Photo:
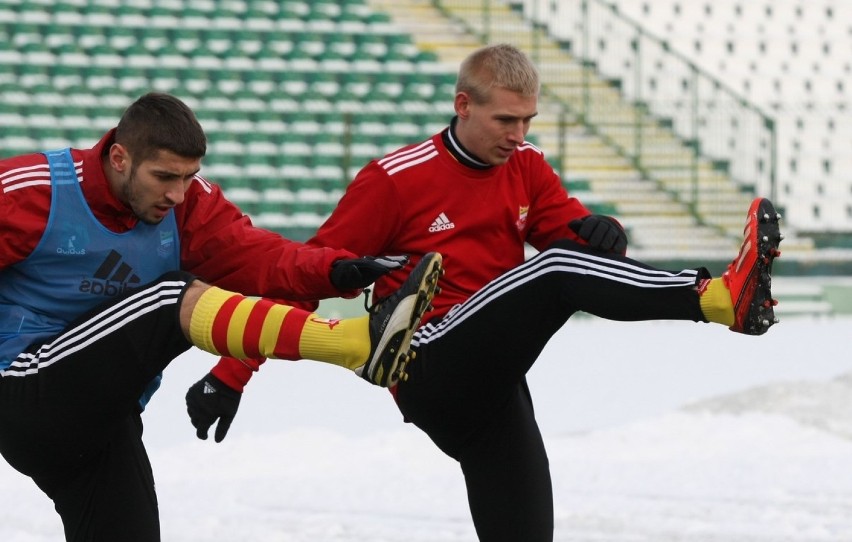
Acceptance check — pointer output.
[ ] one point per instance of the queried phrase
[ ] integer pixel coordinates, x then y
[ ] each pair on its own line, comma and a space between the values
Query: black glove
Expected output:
600, 232
209, 400
359, 273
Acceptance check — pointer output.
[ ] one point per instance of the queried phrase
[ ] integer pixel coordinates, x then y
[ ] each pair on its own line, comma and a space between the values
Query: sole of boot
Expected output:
761, 312
408, 313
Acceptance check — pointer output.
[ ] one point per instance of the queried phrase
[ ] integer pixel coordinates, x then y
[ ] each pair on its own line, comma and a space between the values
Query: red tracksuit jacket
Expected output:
420, 199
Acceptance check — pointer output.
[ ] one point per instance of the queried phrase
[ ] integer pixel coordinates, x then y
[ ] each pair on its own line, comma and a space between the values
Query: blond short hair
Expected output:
503, 66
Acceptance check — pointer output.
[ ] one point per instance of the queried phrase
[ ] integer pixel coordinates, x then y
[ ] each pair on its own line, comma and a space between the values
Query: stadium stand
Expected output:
589, 129
278, 86
790, 59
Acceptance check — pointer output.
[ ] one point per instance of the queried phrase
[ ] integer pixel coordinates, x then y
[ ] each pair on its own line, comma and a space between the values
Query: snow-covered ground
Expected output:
658, 432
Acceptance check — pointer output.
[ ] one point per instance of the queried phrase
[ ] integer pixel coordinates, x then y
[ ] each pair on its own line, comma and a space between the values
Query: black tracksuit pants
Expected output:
69, 412
467, 387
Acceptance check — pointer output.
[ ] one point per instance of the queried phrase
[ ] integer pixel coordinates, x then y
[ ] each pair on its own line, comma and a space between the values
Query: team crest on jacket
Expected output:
522, 217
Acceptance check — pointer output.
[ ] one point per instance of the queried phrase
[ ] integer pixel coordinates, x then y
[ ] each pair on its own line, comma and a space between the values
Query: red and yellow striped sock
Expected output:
230, 324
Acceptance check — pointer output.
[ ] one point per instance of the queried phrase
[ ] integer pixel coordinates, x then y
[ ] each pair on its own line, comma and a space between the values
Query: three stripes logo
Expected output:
441, 223
111, 278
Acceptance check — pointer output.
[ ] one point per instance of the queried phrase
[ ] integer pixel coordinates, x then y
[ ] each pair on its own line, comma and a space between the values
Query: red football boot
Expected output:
748, 277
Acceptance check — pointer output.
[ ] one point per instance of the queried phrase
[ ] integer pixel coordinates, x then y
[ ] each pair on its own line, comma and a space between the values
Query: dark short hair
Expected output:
156, 122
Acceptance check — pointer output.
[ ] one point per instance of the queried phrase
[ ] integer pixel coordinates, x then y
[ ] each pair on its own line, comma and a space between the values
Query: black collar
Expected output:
465, 157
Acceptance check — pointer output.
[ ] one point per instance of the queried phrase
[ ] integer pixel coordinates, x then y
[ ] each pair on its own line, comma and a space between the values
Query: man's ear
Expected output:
118, 158
462, 105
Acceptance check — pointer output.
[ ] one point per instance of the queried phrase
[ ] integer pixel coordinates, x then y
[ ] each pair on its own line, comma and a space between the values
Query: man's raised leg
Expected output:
377, 346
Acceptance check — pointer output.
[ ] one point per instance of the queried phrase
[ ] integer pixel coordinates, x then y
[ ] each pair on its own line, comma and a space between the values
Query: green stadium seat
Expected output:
162, 16
354, 8
324, 84
193, 85
293, 10
82, 136
57, 35
293, 167
387, 86
400, 47
48, 137
25, 32
327, 170
33, 76
9, 54
10, 114
368, 123
63, 76
99, 77
281, 103
234, 121
103, 55
258, 144
40, 117
371, 46
356, 84
248, 102
296, 233
293, 83
276, 188
16, 139
90, 37
294, 144
37, 54
71, 55
262, 84
258, 165
216, 100
362, 151
378, 18
321, 9
340, 45
222, 169
328, 144
209, 120
407, 126
227, 147
303, 122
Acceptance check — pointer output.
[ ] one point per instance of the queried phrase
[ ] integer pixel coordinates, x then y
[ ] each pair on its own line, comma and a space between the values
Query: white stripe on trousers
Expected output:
555, 260
100, 325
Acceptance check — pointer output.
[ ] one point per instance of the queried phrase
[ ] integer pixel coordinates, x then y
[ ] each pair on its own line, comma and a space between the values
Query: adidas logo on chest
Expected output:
441, 223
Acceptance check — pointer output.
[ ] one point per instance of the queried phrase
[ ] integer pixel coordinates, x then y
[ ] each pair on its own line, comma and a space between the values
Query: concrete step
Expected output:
798, 297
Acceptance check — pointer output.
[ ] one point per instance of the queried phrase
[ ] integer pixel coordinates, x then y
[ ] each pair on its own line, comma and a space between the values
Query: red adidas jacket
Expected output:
420, 199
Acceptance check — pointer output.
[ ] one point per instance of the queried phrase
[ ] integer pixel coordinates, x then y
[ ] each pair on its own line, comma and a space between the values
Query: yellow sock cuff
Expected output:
716, 303
203, 316
339, 342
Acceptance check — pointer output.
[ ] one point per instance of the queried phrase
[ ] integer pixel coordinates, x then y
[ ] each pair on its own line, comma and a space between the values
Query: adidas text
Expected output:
441, 227
102, 288
71, 251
